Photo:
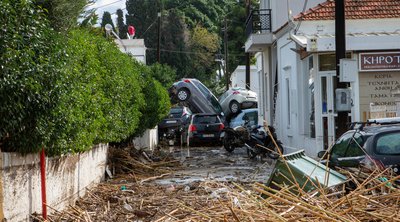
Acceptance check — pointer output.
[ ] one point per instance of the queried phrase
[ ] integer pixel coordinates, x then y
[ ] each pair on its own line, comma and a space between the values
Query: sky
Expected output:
108, 5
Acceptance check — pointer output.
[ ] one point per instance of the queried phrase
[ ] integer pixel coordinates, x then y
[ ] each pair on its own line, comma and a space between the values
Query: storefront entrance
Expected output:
328, 111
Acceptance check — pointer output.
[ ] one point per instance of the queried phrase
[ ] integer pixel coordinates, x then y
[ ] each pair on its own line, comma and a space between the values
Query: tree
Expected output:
142, 14
122, 28
174, 43
63, 14
204, 46
107, 20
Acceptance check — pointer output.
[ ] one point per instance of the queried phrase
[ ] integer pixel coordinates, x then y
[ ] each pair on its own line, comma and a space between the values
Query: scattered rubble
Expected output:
131, 196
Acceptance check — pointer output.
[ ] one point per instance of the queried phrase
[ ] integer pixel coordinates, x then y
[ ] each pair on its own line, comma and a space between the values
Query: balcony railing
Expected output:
258, 21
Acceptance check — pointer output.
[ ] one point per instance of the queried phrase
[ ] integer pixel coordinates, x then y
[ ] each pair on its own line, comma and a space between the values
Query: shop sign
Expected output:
382, 61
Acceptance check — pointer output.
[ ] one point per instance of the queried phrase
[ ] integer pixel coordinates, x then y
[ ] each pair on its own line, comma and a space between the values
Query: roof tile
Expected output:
354, 9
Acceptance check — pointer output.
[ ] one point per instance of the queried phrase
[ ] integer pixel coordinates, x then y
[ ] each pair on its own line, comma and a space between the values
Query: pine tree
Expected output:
122, 27
107, 20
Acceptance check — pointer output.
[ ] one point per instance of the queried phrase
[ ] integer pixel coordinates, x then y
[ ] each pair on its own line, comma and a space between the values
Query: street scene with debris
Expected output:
199, 110
209, 184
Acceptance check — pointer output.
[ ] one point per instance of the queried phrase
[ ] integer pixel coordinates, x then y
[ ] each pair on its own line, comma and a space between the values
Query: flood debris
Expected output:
365, 196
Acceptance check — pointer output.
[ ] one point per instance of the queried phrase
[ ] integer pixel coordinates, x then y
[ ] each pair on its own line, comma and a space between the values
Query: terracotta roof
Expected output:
355, 9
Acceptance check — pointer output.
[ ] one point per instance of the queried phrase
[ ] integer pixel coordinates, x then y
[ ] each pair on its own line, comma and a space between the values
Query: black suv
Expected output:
374, 143
170, 128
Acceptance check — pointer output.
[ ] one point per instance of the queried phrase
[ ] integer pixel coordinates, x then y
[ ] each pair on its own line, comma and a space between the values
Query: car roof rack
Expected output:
380, 121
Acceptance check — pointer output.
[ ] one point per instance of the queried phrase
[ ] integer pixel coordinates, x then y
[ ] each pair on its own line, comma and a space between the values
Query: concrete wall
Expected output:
149, 139
67, 178
238, 78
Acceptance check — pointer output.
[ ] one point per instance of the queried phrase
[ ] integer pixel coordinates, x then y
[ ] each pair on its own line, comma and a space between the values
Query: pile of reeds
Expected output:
373, 196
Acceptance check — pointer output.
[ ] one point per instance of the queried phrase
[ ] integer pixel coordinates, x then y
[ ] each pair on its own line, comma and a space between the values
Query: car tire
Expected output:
183, 94
228, 145
234, 107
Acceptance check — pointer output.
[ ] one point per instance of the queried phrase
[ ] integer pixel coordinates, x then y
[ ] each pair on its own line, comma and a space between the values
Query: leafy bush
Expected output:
30, 61
102, 94
163, 73
157, 103
68, 93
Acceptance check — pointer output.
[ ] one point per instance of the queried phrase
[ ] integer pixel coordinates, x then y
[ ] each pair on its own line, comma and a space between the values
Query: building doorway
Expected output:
328, 81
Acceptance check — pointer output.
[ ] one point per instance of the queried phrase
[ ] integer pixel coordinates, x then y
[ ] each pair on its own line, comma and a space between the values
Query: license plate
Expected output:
171, 121
208, 135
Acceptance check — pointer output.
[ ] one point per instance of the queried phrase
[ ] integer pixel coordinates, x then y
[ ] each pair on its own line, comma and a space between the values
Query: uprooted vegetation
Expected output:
372, 196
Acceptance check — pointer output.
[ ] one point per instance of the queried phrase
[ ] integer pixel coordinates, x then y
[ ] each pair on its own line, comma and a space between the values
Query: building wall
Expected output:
149, 139
287, 113
67, 179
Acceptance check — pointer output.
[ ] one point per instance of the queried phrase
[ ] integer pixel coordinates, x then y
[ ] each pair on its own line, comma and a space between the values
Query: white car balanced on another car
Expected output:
236, 99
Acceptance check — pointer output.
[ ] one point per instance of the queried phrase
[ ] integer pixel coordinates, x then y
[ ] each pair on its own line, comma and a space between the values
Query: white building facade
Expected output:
296, 65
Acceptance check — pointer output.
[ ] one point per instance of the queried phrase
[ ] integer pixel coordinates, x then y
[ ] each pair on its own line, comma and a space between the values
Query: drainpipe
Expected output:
43, 182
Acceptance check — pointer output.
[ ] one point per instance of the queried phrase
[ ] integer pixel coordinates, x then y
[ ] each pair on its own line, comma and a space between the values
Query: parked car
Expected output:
236, 99
196, 96
203, 128
170, 128
250, 115
378, 139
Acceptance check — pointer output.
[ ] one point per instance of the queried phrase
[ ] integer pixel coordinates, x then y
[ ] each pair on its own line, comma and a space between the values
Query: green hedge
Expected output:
66, 93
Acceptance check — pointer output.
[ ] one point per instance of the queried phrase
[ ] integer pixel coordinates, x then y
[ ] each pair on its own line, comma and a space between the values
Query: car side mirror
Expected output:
321, 154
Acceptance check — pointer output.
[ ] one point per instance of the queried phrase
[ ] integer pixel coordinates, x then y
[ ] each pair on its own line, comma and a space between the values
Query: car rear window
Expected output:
388, 143
205, 119
176, 113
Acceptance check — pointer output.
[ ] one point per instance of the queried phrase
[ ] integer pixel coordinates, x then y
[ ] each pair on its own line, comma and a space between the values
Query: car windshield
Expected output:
175, 113
205, 119
349, 145
388, 143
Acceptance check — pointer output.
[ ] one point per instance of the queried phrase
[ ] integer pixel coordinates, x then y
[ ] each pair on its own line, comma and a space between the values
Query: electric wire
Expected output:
102, 6
300, 20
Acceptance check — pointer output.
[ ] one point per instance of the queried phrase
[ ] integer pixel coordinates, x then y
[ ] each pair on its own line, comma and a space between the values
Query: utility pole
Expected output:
340, 41
247, 54
340, 35
227, 76
159, 36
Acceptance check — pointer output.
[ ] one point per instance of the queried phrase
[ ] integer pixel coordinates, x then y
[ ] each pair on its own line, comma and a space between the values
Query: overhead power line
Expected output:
102, 6
194, 53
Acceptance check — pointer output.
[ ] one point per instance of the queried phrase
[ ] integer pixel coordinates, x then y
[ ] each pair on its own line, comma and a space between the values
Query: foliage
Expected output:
102, 95
163, 74
106, 19
30, 61
174, 44
204, 45
67, 97
122, 28
63, 14
157, 103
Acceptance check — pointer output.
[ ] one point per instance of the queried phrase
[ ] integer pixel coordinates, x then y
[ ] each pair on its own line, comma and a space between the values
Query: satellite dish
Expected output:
108, 27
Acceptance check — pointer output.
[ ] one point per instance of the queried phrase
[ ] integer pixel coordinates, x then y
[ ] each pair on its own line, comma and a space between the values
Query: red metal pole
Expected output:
43, 182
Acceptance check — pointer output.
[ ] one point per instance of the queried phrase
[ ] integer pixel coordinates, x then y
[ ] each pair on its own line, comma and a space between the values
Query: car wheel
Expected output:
183, 94
234, 107
228, 145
